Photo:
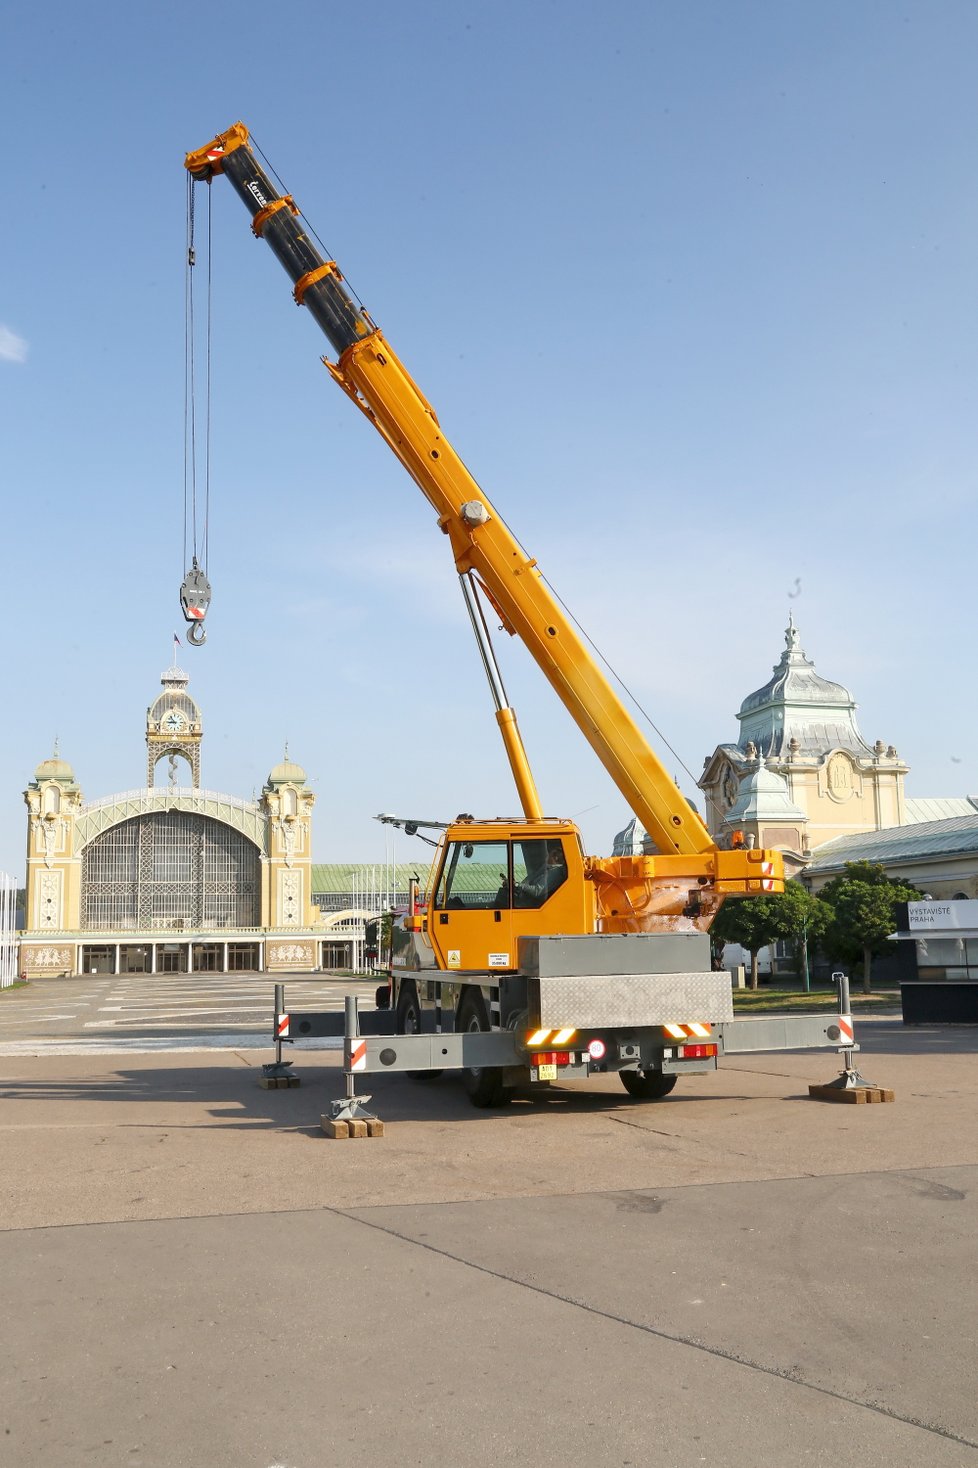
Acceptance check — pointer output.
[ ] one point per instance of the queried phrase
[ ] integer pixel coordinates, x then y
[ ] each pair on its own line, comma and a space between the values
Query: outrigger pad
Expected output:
338, 1129
854, 1095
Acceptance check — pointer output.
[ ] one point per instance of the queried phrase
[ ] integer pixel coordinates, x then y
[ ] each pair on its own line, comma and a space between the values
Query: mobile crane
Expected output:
527, 958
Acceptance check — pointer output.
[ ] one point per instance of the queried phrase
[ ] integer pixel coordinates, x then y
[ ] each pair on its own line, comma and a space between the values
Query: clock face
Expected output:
173, 722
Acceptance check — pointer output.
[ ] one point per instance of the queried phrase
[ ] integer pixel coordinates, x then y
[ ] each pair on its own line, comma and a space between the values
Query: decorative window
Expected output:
170, 869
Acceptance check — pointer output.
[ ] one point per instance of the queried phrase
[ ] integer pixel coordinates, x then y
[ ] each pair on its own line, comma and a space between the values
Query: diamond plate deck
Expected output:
609, 1001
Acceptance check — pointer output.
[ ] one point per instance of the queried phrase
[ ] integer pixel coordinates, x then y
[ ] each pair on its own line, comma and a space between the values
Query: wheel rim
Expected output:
412, 1018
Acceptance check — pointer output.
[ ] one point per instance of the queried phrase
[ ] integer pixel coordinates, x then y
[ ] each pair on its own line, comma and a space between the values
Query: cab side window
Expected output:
539, 868
475, 876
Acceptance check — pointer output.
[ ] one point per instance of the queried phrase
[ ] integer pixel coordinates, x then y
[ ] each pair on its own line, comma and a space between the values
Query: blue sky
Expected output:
690, 285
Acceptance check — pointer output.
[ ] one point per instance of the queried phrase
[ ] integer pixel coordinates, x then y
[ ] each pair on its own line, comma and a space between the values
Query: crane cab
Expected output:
494, 882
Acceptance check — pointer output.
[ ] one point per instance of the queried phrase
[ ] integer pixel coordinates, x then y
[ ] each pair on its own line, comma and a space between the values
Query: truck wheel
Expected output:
649, 1085
407, 1021
483, 1084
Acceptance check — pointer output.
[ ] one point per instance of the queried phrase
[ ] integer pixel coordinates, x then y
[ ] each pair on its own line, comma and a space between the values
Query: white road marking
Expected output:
40, 1019
139, 1044
154, 1014
164, 1024
142, 1012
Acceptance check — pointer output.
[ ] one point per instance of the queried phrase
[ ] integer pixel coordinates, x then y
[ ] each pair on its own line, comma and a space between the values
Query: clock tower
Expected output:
173, 729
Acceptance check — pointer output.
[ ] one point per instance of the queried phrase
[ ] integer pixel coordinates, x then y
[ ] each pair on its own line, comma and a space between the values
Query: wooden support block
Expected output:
357, 1128
289, 1082
851, 1095
375, 1128
334, 1128
268, 1083
834, 1093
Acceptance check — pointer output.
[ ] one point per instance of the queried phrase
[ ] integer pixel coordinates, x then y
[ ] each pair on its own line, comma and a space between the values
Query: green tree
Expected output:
864, 901
803, 919
753, 922
757, 922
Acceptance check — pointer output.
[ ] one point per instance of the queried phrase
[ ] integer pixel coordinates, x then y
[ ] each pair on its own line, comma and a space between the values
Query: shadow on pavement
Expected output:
233, 1098
228, 1094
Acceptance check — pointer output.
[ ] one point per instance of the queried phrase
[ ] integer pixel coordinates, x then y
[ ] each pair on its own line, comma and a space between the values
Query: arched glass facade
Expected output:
170, 870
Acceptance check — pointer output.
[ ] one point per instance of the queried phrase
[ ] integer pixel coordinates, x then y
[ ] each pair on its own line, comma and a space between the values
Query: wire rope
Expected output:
625, 688
197, 398
189, 453
205, 544
283, 190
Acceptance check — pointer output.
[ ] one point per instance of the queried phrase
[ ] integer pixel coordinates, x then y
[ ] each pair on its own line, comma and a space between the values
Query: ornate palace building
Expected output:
801, 773
171, 878
802, 779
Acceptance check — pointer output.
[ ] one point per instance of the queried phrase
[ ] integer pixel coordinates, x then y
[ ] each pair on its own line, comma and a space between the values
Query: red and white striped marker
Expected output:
358, 1056
845, 1027
767, 879
281, 1026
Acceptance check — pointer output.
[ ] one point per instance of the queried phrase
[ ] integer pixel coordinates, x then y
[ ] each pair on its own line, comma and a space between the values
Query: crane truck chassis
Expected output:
554, 1022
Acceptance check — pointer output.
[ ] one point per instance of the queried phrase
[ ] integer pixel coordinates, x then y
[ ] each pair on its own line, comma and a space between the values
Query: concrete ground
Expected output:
192, 1274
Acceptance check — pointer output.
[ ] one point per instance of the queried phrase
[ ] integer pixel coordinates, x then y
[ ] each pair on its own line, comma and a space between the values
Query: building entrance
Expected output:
98, 958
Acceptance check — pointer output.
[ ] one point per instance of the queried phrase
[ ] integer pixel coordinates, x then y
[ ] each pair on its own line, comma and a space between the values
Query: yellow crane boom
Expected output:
370, 372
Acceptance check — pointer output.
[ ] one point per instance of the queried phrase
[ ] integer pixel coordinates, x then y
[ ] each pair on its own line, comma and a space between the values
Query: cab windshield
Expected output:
501, 874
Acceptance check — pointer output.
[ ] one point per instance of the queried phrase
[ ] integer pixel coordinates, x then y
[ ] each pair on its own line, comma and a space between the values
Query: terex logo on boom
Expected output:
254, 189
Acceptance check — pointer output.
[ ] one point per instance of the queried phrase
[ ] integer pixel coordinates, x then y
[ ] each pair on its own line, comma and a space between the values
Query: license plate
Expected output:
546, 1072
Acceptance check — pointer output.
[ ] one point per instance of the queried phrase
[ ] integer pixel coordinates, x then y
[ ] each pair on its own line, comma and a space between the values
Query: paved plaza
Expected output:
193, 1274
162, 1012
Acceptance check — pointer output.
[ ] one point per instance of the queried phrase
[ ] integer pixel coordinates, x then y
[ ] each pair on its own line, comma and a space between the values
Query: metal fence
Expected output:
8, 930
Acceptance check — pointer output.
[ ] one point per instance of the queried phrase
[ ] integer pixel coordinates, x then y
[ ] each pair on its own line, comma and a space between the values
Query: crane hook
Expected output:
195, 598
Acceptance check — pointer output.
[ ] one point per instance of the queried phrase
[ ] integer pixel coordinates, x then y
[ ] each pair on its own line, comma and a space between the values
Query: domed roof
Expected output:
632, 841
763, 796
795, 680
796, 703
287, 773
54, 769
174, 696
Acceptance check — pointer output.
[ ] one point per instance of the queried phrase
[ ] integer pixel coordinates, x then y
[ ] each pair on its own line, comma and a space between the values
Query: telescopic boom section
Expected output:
370, 372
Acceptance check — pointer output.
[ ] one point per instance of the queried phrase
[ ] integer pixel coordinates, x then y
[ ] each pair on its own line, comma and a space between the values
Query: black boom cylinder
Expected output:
339, 316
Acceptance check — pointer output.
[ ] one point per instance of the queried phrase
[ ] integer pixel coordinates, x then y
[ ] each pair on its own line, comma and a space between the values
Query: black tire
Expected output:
650, 1085
407, 1021
483, 1084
